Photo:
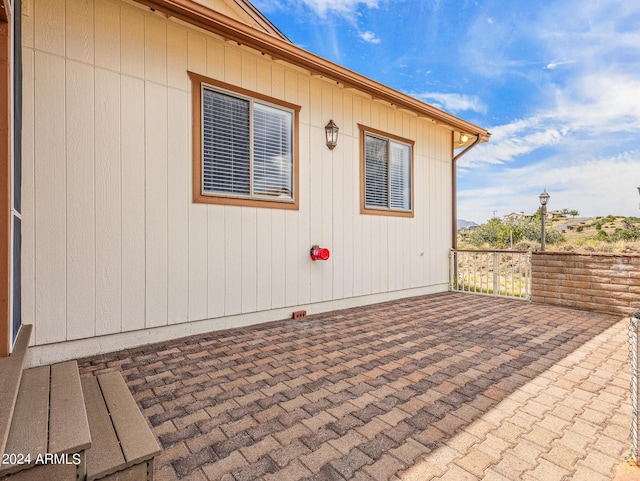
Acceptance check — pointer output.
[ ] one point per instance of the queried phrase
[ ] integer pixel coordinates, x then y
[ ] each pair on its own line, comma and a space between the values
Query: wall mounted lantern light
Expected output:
331, 131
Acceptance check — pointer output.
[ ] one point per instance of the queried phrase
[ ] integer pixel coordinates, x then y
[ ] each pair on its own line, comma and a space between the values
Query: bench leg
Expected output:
150, 468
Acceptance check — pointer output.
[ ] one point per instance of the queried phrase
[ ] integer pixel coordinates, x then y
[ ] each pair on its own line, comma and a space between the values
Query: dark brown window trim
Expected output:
196, 82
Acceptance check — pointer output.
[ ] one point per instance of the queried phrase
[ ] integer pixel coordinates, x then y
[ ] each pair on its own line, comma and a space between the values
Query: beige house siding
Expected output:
112, 242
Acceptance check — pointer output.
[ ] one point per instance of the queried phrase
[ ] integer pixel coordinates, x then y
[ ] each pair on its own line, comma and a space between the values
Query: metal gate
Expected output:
505, 273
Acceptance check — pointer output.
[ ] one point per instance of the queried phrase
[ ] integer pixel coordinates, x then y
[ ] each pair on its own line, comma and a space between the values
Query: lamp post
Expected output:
544, 198
638, 190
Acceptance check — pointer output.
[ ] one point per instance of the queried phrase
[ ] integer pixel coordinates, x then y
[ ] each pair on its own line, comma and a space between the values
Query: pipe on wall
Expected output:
454, 193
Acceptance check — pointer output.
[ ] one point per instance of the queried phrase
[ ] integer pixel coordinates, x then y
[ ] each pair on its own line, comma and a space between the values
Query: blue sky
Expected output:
556, 83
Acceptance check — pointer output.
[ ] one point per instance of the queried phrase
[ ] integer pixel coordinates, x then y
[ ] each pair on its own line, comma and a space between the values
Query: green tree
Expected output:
488, 233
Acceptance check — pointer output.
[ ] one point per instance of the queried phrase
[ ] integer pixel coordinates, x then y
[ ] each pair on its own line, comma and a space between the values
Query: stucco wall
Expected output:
112, 242
599, 282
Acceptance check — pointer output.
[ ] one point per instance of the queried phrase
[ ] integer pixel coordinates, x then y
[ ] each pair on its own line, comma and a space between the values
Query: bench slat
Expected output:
49, 472
105, 455
30, 423
136, 439
68, 426
10, 375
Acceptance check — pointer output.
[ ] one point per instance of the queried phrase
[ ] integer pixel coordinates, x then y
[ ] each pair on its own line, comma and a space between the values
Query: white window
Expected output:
387, 174
245, 152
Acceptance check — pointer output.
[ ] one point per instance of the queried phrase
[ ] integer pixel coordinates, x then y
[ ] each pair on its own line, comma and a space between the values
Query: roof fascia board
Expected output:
220, 24
257, 15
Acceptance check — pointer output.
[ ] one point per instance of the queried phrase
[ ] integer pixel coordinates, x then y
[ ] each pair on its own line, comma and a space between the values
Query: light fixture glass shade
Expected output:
331, 131
544, 197
463, 137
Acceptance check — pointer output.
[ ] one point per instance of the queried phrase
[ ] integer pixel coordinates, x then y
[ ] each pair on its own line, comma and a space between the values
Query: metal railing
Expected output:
505, 273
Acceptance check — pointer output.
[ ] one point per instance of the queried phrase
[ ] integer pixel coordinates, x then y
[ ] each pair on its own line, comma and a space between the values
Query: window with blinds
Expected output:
245, 147
387, 164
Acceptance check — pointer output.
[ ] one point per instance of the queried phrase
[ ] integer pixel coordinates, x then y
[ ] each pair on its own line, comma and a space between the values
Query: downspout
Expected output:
454, 194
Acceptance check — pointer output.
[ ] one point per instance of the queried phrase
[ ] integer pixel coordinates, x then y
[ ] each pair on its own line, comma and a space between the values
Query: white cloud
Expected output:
555, 65
599, 186
369, 37
601, 102
511, 141
597, 111
452, 102
345, 8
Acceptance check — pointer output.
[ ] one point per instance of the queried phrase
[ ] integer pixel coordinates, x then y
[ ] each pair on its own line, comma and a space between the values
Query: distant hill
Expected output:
466, 223
611, 233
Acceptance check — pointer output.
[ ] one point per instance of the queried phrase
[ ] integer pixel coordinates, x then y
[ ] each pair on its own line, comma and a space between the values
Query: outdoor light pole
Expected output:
638, 192
544, 198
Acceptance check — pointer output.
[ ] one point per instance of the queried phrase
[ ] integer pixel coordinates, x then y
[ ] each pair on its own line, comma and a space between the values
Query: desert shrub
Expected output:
499, 234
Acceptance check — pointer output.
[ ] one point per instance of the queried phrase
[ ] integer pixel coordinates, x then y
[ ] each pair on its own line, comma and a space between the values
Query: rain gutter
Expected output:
454, 193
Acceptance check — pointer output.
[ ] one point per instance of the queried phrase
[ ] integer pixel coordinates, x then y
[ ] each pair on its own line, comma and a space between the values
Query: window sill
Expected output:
244, 202
385, 212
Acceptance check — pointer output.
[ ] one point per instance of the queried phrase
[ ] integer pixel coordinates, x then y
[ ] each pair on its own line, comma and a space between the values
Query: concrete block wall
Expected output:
599, 282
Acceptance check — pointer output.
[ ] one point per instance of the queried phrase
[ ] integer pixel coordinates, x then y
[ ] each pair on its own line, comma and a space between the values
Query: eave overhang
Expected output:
217, 23
263, 21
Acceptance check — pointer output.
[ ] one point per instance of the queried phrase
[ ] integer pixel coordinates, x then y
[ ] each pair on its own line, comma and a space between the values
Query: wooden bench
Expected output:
60, 428
49, 418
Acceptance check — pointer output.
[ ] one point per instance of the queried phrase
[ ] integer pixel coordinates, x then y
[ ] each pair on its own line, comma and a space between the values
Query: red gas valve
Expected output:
319, 253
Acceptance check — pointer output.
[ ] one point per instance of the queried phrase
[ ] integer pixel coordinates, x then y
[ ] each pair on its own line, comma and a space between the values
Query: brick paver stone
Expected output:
448, 386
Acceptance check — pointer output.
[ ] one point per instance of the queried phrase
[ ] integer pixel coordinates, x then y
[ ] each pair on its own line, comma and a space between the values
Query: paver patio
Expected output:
448, 386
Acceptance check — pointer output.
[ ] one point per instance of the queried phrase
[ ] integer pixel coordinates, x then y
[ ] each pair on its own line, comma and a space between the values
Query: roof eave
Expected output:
215, 22
259, 17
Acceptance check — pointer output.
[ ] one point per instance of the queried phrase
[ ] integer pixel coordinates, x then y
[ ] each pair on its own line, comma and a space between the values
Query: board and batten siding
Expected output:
113, 243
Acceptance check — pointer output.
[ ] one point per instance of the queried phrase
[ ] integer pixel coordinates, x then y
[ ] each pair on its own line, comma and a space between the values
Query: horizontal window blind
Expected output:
400, 176
272, 151
226, 147
376, 172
